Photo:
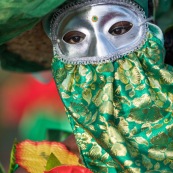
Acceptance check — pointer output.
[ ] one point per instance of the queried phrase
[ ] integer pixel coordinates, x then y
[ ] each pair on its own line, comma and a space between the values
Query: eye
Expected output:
120, 28
74, 37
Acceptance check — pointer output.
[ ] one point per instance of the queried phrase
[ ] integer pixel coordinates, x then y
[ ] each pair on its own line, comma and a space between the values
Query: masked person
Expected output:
109, 69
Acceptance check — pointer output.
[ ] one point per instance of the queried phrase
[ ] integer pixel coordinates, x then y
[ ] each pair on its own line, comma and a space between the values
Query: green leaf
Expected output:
52, 162
1, 169
13, 166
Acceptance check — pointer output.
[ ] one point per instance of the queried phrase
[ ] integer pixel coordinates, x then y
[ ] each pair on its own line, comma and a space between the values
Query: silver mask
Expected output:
97, 31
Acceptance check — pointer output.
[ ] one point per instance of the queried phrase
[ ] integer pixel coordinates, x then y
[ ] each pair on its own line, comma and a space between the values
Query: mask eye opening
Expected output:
74, 37
120, 28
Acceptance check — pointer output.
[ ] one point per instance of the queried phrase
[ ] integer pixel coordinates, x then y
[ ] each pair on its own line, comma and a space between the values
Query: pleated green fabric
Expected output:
121, 112
21, 15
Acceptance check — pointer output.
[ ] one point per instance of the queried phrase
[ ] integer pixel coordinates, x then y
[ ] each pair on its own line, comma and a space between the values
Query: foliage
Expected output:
52, 162
13, 166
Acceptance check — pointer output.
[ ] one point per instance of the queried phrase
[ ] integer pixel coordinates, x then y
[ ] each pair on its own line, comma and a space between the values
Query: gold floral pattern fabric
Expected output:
121, 112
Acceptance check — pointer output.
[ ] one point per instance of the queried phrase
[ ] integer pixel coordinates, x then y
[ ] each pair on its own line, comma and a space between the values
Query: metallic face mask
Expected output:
98, 31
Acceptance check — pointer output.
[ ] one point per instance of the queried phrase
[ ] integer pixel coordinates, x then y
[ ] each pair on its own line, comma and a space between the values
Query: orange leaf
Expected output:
69, 169
33, 156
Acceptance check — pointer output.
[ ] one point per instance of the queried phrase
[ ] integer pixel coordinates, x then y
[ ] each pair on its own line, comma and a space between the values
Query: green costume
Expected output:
121, 112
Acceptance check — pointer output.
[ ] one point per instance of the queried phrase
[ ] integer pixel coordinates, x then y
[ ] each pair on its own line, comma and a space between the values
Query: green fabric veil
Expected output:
19, 16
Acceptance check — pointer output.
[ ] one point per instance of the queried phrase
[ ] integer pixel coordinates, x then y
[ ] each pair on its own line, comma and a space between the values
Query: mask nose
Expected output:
101, 46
